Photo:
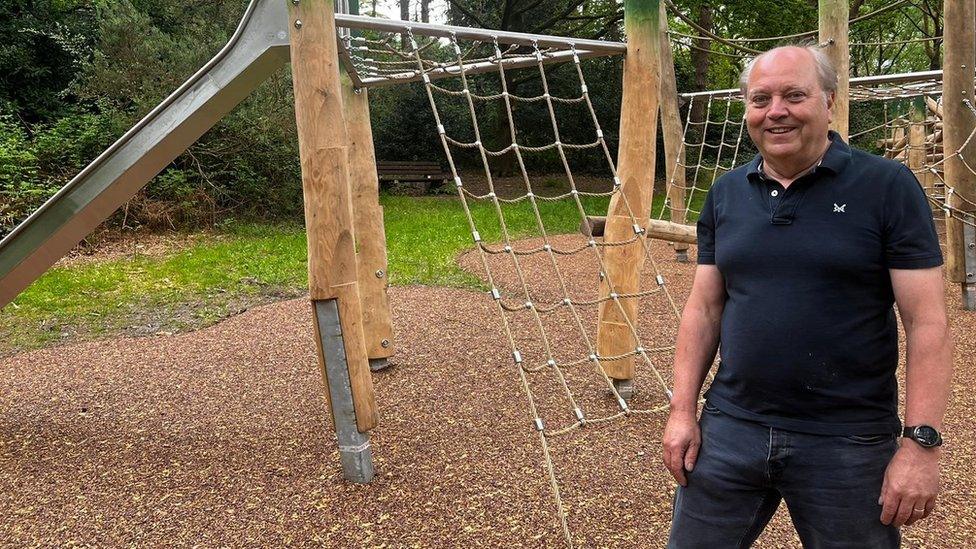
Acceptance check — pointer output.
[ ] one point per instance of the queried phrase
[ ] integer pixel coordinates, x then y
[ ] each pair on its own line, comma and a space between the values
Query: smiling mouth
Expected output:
779, 131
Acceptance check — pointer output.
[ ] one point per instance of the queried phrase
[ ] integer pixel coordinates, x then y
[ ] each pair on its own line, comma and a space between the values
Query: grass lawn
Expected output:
245, 264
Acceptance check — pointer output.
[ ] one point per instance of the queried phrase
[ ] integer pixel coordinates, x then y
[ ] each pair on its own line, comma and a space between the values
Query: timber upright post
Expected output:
332, 272
629, 209
368, 219
957, 105
674, 151
834, 39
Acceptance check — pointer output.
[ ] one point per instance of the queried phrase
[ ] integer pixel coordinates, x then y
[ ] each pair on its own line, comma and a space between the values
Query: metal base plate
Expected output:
625, 388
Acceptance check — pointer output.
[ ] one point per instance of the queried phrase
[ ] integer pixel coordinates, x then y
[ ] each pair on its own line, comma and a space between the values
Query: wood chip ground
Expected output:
220, 437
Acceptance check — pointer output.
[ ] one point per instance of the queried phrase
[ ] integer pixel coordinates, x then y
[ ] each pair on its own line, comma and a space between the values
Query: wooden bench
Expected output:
420, 173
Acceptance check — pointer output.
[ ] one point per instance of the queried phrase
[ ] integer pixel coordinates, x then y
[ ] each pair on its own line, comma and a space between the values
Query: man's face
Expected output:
786, 111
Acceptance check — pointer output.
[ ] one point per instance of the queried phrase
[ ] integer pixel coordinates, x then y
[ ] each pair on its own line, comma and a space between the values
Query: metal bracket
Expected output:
354, 451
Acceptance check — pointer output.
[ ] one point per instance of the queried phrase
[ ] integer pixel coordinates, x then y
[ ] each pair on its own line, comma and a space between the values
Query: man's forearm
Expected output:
698, 337
928, 372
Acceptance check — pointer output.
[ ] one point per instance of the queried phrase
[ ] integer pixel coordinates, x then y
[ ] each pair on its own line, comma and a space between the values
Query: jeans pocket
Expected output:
709, 408
870, 439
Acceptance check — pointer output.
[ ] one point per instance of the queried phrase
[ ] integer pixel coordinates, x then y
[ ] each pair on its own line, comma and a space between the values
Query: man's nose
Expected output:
777, 108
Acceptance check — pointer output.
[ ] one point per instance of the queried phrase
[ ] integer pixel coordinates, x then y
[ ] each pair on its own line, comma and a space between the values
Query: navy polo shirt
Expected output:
809, 340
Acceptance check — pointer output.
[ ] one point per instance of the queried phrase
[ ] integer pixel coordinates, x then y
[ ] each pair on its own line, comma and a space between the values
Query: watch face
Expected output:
926, 436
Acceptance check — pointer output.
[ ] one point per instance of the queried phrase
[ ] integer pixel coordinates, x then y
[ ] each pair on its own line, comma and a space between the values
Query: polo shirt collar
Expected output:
836, 159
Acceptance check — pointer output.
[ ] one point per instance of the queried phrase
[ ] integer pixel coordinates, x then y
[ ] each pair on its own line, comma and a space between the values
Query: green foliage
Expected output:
45, 44
72, 141
18, 169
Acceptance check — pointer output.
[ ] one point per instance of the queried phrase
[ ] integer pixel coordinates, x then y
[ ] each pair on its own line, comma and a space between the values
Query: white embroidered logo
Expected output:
839, 209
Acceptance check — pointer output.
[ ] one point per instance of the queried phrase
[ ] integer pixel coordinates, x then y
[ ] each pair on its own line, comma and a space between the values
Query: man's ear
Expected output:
830, 106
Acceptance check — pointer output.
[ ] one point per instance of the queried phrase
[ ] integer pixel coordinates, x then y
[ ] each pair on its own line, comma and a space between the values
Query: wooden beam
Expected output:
368, 216
635, 168
834, 34
656, 228
674, 151
322, 145
958, 74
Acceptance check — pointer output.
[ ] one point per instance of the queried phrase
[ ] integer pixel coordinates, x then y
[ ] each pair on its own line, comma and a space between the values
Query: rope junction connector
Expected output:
476, 236
583, 88
517, 356
538, 424
457, 182
495, 294
579, 416
638, 229
660, 280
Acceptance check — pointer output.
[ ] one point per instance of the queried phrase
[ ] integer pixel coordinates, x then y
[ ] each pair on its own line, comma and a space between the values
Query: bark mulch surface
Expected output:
220, 437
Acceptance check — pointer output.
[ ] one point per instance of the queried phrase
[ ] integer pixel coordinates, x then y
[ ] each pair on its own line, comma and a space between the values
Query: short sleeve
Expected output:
706, 230
909, 231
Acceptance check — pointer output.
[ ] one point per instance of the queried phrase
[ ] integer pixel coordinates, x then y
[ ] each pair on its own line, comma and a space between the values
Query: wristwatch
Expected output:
926, 436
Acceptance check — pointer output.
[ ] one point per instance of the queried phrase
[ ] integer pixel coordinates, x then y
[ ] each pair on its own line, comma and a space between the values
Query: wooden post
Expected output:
916, 140
635, 169
958, 74
674, 151
834, 34
332, 271
370, 236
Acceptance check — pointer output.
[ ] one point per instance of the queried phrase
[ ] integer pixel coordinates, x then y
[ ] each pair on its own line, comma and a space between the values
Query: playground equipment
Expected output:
332, 69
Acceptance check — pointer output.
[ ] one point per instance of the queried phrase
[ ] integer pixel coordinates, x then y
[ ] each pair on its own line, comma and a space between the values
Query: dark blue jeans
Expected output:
831, 486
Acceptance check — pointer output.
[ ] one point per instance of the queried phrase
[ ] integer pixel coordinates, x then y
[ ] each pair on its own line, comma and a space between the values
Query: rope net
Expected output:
899, 121
562, 377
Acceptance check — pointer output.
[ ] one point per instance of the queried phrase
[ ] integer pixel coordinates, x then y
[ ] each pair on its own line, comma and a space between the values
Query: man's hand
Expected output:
682, 439
911, 484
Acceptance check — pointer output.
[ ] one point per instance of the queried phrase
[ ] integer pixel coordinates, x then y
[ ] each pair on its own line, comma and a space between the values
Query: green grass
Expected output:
248, 263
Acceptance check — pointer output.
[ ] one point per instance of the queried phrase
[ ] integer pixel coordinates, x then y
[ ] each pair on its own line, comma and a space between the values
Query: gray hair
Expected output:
826, 73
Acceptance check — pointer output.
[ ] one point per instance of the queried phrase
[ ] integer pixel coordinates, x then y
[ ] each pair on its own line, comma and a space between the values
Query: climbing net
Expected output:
562, 375
901, 120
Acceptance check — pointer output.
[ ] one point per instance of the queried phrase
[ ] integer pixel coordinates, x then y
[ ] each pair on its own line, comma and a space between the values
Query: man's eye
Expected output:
796, 96
760, 100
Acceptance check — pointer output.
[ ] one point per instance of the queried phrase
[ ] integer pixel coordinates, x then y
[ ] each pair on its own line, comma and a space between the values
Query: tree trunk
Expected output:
700, 59
405, 16
425, 11
505, 165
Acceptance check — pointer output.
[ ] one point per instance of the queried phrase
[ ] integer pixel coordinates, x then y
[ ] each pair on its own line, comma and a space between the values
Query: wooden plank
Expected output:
960, 58
332, 272
834, 30
674, 151
368, 216
635, 168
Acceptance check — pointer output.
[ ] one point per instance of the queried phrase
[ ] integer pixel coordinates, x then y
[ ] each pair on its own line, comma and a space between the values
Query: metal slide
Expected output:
259, 46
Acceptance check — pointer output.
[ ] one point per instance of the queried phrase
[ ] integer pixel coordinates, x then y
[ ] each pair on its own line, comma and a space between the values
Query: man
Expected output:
801, 255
